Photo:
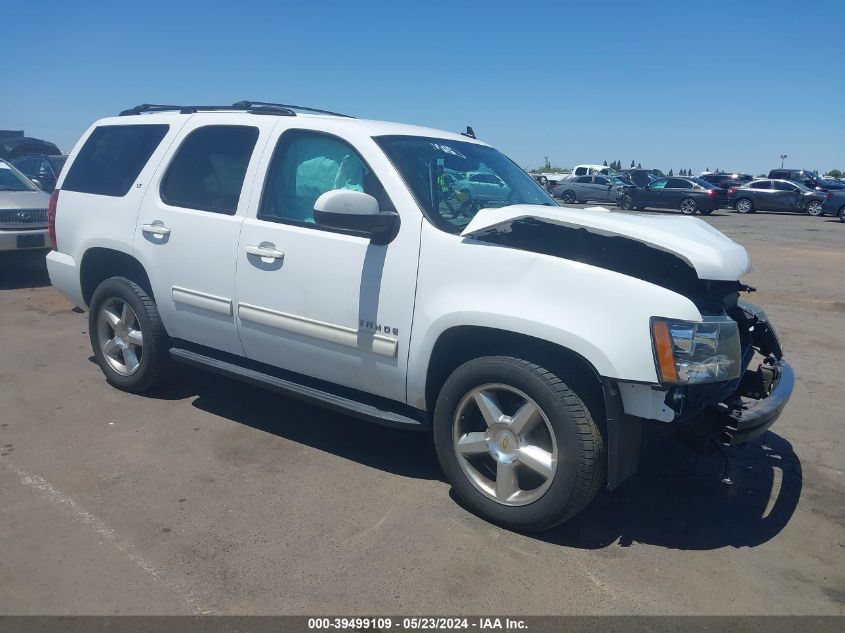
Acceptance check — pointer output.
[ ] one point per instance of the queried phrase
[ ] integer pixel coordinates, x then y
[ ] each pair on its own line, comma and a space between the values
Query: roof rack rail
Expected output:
266, 104
256, 108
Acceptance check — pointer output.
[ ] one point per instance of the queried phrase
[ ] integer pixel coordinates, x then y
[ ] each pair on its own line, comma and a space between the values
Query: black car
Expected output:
43, 169
834, 204
687, 194
775, 195
807, 178
726, 180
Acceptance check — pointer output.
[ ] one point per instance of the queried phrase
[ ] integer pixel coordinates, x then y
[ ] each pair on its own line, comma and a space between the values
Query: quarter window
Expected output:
305, 165
112, 157
207, 171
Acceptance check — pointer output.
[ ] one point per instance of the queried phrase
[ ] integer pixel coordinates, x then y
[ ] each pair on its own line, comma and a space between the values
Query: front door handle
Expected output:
156, 228
264, 251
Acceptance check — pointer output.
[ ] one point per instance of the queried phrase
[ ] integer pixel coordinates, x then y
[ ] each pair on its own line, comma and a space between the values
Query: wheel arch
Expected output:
621, 432
100, 263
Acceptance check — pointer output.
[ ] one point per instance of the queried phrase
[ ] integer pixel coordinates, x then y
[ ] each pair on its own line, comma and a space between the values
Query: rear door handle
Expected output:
264, 251
156, 228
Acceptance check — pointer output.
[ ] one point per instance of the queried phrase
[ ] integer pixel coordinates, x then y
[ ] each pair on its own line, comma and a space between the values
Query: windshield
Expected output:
57, 162
13, 180
454, 180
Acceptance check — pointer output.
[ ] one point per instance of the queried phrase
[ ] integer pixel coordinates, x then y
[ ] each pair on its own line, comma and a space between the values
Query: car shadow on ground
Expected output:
23, 270
405, 453
677, 500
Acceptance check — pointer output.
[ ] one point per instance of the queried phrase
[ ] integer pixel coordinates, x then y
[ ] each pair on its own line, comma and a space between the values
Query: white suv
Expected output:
329, 258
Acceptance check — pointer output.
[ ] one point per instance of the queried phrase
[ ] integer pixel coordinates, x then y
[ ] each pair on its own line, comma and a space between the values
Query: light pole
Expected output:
782, 158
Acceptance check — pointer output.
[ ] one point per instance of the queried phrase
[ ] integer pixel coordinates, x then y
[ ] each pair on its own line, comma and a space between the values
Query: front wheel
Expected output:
519, 447
127, 335
842, 214
569, 197
814, 208
627, 203
689, 206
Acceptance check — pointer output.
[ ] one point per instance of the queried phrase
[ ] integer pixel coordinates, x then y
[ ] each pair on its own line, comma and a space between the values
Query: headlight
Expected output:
688, 353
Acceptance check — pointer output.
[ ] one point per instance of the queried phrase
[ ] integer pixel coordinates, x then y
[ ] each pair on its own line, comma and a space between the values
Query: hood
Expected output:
24, 199
712, 255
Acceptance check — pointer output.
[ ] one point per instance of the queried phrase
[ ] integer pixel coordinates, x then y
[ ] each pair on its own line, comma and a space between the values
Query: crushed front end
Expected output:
760, 382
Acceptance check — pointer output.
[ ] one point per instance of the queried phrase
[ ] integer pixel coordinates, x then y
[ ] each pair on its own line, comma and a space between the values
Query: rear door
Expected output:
676, 190
652, 195
189, 223
763, 195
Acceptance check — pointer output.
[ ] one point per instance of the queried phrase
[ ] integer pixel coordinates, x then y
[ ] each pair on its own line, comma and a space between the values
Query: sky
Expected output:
692, 85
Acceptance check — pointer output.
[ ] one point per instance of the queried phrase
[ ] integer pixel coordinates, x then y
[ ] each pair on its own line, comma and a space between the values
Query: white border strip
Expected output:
337, 334
212, 303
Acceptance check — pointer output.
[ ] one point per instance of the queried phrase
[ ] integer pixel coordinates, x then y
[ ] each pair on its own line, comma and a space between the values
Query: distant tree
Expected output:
835, 173
618, 165
639, 165
706, 169
670, 172
689, 172
633, 164
604, 164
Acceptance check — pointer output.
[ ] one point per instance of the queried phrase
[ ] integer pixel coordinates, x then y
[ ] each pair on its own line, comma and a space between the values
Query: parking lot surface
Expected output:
217, 497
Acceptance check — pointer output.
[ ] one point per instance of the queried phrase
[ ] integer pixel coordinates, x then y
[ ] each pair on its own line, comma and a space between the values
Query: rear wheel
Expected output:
688, 206
569, 197
744, 205
814, 207
518, 446
127, 336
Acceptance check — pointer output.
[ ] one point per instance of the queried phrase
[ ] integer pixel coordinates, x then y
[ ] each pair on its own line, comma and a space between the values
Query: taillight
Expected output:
51, 218
711, 193
731, 191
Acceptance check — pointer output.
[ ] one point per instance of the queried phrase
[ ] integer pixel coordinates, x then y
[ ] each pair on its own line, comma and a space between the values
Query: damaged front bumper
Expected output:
745, 421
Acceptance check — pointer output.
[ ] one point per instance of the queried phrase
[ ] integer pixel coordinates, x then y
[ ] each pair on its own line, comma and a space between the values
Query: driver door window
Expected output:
306, 165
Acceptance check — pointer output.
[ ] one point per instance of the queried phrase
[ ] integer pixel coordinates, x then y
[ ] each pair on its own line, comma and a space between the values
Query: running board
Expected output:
312, 395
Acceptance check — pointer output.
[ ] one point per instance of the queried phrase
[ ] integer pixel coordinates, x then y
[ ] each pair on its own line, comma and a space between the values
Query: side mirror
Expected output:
355, 211
37, 183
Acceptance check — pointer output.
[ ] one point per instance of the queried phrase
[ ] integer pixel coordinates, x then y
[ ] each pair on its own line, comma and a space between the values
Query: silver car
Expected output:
23, 211
588, 188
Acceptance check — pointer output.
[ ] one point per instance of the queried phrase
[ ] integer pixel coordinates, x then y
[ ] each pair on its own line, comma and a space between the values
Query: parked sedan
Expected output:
588, 188
834, 204
42, 169
23, 212
690, 195
483, 186
775, 195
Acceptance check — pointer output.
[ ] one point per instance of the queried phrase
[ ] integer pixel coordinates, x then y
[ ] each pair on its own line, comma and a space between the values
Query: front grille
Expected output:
22, 218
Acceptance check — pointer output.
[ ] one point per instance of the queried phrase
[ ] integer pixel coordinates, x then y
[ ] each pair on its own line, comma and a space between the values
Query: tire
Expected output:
569, 197
120, 336
744, 205
842, 214
688, 206
564, 439
627, 203
814, 208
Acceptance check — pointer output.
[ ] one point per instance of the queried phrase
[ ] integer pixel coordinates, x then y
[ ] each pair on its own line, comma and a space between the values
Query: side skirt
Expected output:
346, 401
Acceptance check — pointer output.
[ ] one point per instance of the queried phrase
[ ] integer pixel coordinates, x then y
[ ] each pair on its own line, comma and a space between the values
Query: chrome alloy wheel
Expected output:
505, 444
814, 208
688, 206
119, 335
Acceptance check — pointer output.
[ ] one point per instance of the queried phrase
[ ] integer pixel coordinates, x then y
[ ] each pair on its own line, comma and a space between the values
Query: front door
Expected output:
325, 303
188, 227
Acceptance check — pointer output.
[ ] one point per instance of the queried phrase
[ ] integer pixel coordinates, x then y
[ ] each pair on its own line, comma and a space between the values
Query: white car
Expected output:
327, 258
588, 170
23, 212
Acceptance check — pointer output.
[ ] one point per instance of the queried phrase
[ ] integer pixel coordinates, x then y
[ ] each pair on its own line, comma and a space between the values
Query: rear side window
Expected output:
112, 158
676, 183
207, 171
